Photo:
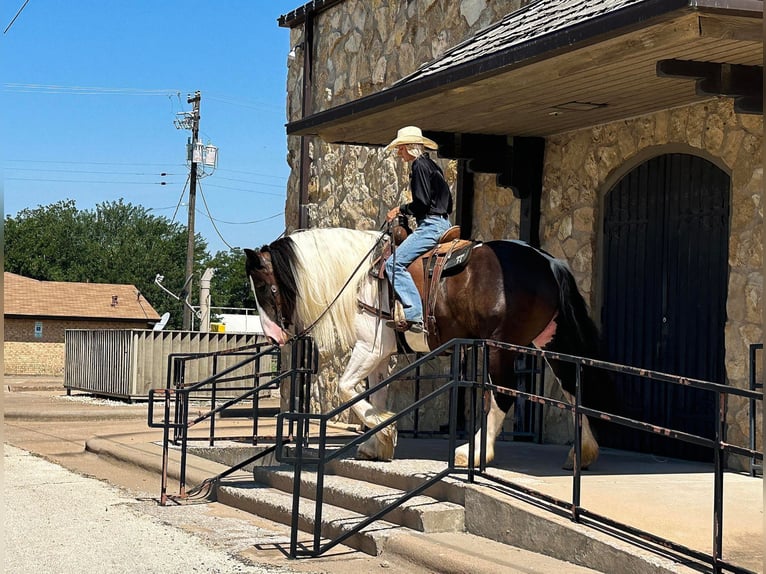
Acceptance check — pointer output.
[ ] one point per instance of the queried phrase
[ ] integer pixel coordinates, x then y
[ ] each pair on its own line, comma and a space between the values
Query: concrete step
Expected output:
275, 505
421, 513
403, 474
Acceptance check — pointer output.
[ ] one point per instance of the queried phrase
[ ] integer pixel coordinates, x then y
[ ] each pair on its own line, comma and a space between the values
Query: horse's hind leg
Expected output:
565, 373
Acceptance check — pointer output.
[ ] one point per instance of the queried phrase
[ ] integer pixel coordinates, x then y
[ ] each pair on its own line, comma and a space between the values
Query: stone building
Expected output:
624, 136
38, 313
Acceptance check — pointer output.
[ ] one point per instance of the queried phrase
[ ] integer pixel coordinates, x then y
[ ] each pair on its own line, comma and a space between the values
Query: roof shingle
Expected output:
25, 296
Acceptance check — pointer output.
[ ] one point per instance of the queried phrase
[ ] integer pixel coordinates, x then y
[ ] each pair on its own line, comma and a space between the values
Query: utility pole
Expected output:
195, 101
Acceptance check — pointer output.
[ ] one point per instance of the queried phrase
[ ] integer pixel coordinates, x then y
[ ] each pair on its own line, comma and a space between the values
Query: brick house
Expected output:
38, 313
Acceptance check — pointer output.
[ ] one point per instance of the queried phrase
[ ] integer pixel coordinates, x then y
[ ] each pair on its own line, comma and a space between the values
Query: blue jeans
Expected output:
421, 240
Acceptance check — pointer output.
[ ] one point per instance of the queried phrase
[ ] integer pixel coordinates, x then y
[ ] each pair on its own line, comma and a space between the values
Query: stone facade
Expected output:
365, 46
581, 167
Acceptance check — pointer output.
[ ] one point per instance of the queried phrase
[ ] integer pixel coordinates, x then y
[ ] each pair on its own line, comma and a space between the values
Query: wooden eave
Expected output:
529, 88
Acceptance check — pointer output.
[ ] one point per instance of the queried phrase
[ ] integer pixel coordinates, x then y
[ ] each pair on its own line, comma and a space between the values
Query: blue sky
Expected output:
91, 89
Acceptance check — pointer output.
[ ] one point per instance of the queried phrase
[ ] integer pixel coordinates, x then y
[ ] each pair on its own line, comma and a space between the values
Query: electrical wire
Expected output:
91, 162
8, 27
246, 190
161, 174
180, 199
85, 90
282, 177
89, 181
243, 222
249, 181
212, 220
244, 104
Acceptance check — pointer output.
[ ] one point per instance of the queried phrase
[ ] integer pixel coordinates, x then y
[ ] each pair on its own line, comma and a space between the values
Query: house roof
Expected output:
29, 297
556, 66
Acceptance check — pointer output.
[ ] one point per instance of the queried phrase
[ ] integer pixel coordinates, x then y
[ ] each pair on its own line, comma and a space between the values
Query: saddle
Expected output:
450, 255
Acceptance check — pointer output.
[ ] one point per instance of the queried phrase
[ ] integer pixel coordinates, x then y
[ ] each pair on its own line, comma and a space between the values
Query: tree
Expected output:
230, 286
115, 243
46, 242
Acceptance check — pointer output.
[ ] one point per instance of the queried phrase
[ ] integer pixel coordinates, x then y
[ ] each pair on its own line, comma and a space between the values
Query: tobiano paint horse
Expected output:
508, 291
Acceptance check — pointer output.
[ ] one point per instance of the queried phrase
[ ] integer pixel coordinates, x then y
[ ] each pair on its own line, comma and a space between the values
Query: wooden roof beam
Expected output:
743, 83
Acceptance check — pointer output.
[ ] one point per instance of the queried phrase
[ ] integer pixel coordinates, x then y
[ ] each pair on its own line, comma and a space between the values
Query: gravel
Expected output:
57, 521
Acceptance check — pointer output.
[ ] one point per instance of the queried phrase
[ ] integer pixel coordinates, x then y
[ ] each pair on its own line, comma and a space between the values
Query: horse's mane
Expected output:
312, 267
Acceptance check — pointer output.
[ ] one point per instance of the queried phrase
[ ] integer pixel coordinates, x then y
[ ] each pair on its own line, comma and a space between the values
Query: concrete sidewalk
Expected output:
668, 498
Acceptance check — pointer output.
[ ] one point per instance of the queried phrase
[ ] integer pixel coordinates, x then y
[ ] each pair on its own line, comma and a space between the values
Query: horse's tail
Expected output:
578, 335
574, 312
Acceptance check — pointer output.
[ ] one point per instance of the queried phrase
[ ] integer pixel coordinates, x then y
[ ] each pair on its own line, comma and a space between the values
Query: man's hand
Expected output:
392, 213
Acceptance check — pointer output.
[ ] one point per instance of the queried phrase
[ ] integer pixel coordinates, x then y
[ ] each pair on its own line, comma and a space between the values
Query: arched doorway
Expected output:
666, 234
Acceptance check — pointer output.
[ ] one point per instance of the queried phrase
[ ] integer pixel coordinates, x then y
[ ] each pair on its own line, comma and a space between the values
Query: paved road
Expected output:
59, 522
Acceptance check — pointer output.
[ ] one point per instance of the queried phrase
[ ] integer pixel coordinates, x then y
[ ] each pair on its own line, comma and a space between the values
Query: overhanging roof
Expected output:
555, 66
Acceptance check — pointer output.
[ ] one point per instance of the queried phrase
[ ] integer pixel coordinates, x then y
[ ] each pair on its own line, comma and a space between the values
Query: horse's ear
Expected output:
253, 259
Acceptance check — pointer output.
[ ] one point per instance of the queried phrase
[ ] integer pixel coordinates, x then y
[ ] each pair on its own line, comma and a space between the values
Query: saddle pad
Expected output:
457, 252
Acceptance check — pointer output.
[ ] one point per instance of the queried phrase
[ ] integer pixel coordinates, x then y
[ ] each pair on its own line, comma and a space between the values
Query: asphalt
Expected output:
669, 498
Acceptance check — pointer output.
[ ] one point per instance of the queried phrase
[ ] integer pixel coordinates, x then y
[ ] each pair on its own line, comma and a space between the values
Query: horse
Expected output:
507, 291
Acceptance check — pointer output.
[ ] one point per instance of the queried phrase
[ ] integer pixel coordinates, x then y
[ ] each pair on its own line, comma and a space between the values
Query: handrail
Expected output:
473, 377
754, 384
178, 393
468, 369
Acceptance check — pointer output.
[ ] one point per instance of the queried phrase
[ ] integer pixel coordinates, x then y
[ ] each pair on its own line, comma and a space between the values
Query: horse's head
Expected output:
275, 309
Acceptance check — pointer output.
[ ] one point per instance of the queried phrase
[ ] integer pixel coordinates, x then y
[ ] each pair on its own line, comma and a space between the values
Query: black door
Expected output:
666, 232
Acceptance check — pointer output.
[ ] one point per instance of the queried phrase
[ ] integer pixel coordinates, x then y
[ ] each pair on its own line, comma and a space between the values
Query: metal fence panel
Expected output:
127, 363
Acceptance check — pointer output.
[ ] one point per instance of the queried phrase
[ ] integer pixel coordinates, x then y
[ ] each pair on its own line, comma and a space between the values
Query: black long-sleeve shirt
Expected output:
430, 192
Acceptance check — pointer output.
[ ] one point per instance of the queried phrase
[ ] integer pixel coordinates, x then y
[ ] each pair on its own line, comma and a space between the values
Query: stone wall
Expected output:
365, 46
581, 167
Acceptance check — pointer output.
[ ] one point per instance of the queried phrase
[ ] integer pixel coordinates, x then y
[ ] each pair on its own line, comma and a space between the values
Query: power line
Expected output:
246, 190
8, 27
145, 164
242, 222
90, 181
161, 174
212, 219
91, 162
243, 103
253, 182
85, 90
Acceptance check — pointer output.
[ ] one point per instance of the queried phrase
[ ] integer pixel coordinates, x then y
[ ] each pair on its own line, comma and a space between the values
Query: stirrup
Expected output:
411, 326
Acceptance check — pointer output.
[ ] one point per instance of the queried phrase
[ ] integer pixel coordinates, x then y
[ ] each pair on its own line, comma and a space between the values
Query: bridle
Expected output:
271, 281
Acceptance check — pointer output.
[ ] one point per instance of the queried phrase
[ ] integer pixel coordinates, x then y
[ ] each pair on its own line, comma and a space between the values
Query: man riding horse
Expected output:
431, 206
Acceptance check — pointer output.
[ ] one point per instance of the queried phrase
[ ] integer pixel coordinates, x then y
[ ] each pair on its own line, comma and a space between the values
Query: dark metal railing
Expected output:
468, 370
179, 393
755, 384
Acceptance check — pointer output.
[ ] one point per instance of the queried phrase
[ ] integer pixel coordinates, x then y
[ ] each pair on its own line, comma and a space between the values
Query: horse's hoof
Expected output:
379, 447
461, 460
588, 457
568, 465
362, 454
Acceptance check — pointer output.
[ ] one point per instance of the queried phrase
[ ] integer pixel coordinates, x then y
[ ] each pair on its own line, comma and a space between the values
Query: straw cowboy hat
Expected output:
411, 135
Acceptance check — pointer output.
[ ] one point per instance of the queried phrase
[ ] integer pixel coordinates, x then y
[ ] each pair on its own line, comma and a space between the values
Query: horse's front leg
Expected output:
369, 358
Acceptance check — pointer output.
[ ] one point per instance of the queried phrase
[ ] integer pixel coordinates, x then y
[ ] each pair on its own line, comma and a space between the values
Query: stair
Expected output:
353, 491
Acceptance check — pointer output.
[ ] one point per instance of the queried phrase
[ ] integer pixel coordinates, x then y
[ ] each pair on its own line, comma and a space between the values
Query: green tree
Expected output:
115, 243
46, 242
230, 287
